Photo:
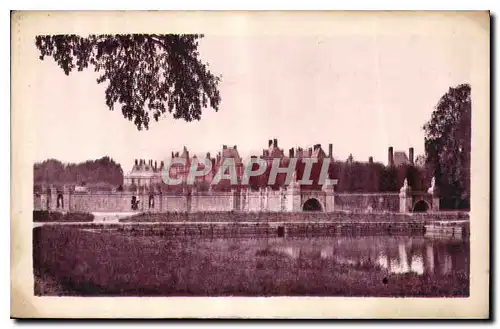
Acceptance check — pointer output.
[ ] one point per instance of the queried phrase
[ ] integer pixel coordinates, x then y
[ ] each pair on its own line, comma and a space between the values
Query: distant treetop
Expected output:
103, 171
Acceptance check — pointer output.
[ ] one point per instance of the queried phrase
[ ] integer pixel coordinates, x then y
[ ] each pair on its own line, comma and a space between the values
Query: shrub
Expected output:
55, 216
47, 216
78, 217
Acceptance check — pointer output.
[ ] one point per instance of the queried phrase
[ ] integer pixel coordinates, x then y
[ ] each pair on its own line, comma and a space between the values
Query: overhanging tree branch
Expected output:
146, 74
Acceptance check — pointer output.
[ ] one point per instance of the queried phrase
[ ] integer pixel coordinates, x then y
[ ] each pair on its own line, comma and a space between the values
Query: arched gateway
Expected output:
421, 206
312, 204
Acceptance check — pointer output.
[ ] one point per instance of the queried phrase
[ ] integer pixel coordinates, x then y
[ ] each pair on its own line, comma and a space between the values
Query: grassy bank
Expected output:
110, 263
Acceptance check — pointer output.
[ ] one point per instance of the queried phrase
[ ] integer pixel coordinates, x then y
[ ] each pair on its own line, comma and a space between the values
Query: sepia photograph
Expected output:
347, 156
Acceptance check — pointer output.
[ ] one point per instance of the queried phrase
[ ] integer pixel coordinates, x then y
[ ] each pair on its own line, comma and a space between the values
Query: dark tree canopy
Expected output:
147, 74
100, 173
352, 176
448, 145
366, 177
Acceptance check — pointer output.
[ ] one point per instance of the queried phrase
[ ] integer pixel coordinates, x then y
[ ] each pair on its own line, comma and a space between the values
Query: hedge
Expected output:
55, 216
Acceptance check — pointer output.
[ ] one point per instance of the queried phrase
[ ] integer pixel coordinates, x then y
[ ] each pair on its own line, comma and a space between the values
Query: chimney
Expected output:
208, 155
270, 142
136, 162
162, 165
235, 147
275, 142
330, 150
224, 147
156, 166
411, 155
370, 160
290, 153
390, 161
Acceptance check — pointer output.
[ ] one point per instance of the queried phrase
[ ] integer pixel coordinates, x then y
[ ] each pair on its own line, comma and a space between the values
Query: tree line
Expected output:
103, 173
352, 176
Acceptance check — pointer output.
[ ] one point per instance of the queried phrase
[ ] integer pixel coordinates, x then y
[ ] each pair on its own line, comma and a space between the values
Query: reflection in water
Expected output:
292, 252
403, 264
417, 264
398, 255
429, 252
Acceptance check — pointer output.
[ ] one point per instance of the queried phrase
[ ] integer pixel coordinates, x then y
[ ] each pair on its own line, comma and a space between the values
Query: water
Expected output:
110, 262
396, 255
334, 266
343, 265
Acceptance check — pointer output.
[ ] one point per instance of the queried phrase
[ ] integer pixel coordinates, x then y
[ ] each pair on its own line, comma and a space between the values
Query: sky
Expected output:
361, 93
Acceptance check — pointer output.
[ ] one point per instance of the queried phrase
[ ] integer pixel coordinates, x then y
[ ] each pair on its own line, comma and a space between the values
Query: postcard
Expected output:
250, 164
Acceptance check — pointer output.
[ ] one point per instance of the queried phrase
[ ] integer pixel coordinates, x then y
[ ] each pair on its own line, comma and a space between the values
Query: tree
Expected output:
147, 74
389, 179
100, 173
448, 145
420, 161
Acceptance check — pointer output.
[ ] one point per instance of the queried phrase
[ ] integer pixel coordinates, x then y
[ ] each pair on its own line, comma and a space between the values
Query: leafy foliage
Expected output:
104, 171
448, 144
365, 177
352, 176
147, 74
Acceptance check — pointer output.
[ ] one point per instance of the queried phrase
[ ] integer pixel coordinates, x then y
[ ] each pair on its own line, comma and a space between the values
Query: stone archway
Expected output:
312, 204
60, 201
421, 206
